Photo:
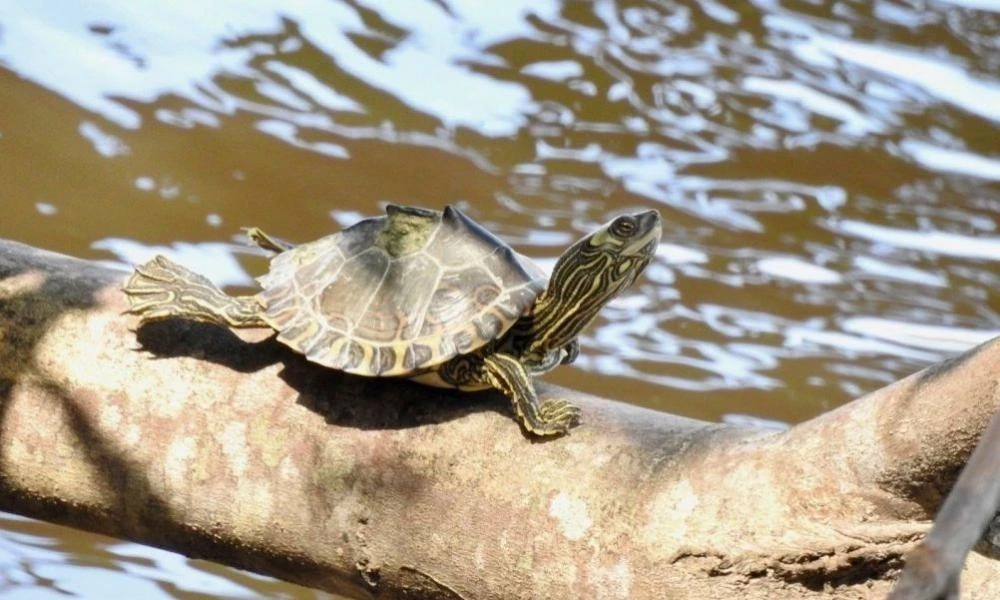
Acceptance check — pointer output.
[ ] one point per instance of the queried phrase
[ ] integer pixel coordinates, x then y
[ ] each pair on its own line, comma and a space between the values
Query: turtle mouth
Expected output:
649, 249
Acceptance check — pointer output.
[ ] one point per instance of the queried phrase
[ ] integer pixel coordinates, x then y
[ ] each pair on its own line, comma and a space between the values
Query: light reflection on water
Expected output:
38, 564
113, 49
827, 174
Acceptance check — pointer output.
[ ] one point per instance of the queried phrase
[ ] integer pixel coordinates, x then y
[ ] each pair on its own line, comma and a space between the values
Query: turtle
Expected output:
423, 294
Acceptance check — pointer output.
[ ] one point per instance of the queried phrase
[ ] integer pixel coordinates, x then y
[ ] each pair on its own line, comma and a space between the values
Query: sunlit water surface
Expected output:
827, 171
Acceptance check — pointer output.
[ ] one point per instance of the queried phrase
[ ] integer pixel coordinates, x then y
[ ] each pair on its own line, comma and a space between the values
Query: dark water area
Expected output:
828, 174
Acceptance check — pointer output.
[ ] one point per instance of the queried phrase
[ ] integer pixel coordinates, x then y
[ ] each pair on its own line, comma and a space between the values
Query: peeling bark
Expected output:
187, 437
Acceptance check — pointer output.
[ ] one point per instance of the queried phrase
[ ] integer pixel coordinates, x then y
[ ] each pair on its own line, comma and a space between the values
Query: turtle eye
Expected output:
623, 226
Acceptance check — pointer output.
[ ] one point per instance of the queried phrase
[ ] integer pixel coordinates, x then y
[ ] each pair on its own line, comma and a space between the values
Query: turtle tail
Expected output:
267, 241
162, 289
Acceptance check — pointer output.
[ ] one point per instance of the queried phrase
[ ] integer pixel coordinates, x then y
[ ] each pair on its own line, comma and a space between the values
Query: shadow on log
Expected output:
237, 450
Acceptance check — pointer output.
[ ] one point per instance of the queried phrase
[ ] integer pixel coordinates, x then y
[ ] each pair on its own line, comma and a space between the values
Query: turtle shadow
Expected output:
176, 337
342, 399
390, 402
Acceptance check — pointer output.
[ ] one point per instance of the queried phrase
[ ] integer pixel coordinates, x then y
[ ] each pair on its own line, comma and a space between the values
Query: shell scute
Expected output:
396, 311
456, 299
358, 282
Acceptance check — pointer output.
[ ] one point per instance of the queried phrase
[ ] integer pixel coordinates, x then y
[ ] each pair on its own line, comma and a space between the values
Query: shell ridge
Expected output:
482, 263
422, 316
437, 231
374, 292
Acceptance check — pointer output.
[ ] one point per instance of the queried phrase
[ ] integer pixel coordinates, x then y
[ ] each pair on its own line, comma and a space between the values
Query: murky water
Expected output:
827, 171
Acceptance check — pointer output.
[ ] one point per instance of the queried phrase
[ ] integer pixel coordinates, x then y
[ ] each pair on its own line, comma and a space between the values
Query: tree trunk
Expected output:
236, 449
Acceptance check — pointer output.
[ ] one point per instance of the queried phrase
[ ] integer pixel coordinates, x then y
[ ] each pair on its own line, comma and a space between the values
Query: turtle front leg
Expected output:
550, 417
161, 289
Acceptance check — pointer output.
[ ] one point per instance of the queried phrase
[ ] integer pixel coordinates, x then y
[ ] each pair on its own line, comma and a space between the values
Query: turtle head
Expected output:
589, 274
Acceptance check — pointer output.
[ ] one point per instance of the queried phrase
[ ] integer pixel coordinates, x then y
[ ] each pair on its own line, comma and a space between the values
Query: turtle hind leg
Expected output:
551, 417
161, 289
266, 241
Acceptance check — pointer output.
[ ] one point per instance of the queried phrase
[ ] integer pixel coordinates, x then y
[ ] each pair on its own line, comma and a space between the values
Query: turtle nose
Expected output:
650, 221
650, 225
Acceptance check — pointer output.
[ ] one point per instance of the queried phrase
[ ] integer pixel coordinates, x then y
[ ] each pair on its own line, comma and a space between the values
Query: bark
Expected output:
933, 571
187, 437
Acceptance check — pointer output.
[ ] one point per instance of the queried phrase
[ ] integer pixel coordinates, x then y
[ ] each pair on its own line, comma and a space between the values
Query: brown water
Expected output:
827, 172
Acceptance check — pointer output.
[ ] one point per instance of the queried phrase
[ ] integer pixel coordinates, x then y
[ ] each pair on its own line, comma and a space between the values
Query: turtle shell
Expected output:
397, 294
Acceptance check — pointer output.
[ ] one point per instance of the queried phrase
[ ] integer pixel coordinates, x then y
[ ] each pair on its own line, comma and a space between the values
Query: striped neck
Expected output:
578, 290
587, 276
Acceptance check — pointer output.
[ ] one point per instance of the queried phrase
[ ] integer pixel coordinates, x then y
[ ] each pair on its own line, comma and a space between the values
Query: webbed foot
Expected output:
162, 288
555, 416
550, 417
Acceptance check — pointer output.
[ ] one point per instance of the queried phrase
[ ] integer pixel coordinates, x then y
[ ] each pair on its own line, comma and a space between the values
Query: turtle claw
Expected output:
153, 288
148, 305
148, 273
557, 416
161, 269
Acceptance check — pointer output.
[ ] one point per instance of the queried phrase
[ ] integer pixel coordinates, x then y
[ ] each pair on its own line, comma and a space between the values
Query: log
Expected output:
933, 570
235, 449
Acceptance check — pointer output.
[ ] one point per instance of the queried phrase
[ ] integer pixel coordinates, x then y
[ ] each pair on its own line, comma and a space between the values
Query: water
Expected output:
44, 561
827, 172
